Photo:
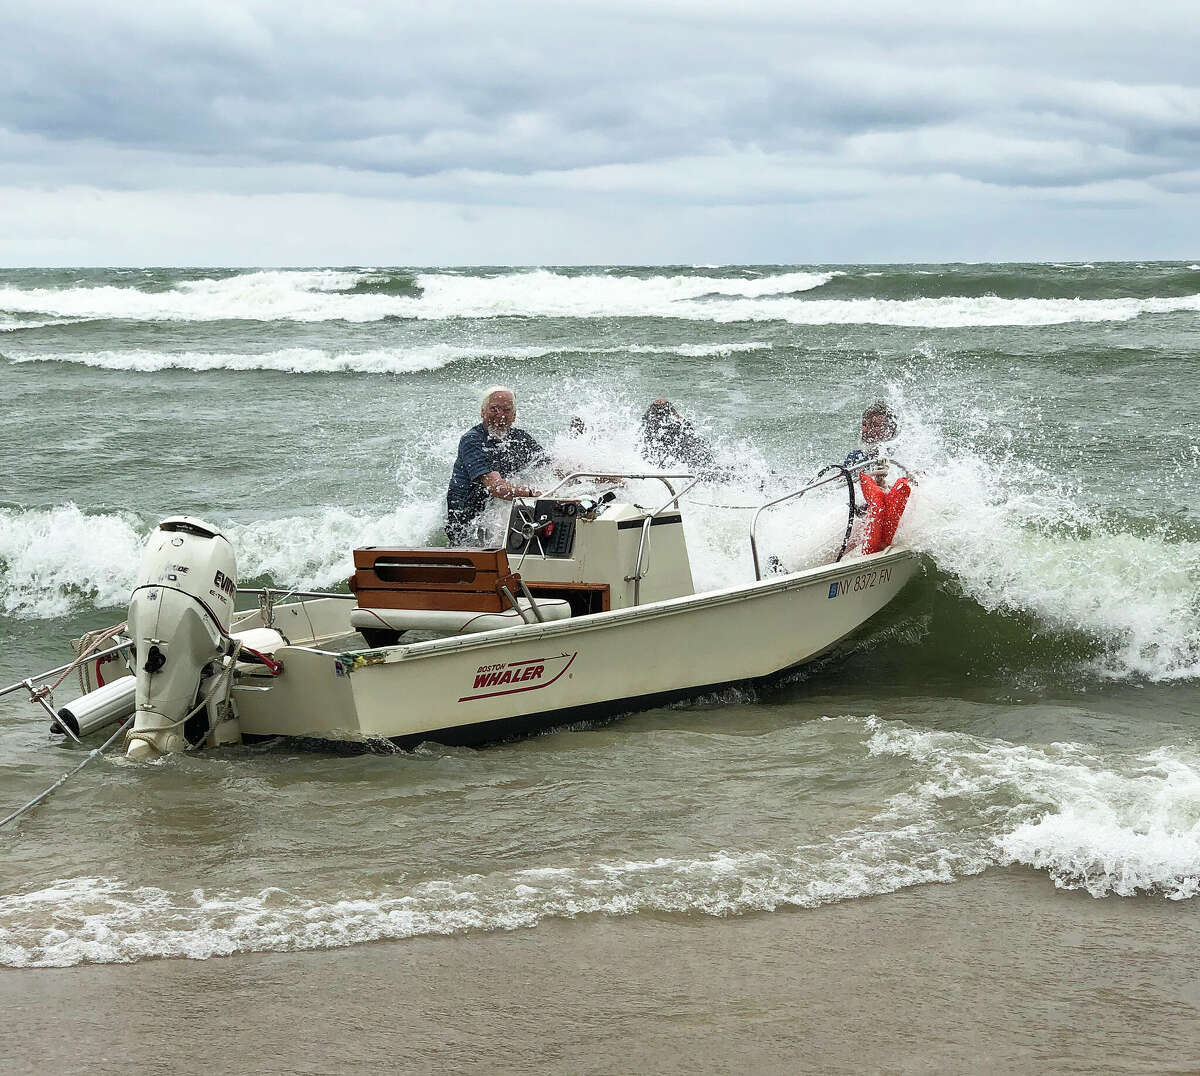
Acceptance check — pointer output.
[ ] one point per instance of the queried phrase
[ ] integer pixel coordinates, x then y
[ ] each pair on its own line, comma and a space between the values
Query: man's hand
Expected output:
505, 490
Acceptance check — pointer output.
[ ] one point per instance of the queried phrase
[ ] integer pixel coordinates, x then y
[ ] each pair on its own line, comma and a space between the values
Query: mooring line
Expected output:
69, 774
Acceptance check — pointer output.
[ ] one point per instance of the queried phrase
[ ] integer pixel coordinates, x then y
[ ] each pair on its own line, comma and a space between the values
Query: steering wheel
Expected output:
521, 528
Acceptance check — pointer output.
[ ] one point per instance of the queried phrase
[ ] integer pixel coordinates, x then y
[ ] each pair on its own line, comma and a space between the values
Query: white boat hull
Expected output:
470, 689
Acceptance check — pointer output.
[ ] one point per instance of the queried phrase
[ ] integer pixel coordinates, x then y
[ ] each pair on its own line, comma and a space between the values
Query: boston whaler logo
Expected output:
865, 581
507, 678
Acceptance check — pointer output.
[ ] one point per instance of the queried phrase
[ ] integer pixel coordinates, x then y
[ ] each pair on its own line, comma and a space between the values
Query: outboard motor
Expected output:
179, 621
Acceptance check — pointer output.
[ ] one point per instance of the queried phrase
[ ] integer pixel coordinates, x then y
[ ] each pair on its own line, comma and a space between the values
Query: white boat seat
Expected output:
265, 641
458, 621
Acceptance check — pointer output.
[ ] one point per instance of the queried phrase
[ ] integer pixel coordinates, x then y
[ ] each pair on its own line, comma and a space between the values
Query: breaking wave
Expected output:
1120, 281
54, 561
322, 295
60, 561
1112, 825
10, 324
103, 921
406, 360
1109, 824
325, 295
1133, 594
1130, 599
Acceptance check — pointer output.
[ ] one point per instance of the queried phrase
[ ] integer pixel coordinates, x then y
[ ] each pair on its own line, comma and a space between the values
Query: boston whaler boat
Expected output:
588, 610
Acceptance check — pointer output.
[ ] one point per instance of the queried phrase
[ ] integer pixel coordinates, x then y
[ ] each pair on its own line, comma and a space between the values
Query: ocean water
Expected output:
1031, 703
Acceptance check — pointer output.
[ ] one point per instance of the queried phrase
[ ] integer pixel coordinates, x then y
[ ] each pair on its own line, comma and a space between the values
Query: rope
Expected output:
225, 678
711, 504
89, 642
751, 507
67, 776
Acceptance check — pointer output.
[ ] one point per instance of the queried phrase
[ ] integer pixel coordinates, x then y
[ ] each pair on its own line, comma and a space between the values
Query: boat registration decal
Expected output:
863, 581
508, 678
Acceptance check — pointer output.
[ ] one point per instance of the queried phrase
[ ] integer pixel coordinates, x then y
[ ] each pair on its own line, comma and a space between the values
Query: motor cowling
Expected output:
179, 617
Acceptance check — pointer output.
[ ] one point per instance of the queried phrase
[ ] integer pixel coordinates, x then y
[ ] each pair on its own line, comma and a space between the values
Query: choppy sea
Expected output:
1032, 702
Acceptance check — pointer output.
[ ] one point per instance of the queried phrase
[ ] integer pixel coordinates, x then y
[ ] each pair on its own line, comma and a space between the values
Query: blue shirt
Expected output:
479, 454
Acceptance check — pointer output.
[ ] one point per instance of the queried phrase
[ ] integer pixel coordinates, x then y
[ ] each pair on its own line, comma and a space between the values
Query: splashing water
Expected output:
1013, 536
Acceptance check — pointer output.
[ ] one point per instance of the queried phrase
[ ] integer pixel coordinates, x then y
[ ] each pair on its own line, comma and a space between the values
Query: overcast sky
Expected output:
284, 132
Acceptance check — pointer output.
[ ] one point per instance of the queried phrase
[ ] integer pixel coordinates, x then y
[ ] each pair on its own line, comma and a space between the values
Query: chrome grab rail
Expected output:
264, 591
839, 476
267, 599
29, 681
611, 476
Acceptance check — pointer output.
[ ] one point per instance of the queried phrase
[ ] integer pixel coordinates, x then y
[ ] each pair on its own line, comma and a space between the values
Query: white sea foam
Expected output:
1017, 539
54, 562
690, 351
325, 295
101, 920
261, 296
406, 360
954, 311
317, 550
9, 324
1024, 544
542, 293
1114, 825
289, 360
1111, 825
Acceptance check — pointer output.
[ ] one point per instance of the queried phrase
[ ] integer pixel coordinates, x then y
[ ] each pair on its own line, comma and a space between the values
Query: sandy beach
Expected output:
1000, 972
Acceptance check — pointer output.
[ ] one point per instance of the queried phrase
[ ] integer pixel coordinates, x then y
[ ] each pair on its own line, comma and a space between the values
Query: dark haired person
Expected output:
667, 439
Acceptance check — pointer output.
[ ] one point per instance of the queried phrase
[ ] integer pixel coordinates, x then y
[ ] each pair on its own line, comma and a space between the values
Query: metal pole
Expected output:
38, 695
796, 493
298, 593
613, 475
63, 668
532, 603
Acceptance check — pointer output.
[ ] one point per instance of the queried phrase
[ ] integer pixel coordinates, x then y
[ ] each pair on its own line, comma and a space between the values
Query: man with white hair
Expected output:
489, 455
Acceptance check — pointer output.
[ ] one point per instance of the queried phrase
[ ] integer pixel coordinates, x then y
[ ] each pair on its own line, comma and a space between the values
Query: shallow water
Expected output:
1031, 703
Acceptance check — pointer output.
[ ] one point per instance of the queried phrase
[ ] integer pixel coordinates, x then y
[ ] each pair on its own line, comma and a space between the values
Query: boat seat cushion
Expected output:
458, 621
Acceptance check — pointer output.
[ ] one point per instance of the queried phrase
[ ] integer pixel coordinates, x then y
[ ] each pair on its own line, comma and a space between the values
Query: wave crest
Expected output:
355, 296
1115, 825
398, 360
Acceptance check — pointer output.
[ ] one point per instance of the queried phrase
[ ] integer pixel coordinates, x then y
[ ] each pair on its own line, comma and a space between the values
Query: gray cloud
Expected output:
655, 104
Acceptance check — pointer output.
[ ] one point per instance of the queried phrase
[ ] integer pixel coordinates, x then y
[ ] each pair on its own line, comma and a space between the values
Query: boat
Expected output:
586, 610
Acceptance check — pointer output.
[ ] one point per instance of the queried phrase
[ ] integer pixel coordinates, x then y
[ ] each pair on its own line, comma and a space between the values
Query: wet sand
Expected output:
1000, 972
